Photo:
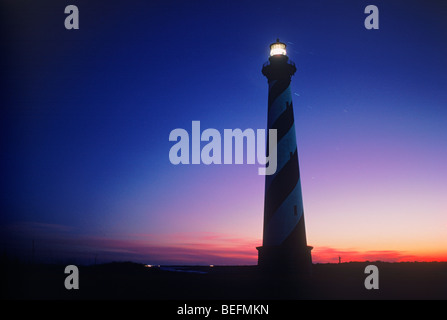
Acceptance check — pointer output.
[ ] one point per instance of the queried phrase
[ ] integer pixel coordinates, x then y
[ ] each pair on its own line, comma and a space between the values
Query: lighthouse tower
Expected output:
284, 238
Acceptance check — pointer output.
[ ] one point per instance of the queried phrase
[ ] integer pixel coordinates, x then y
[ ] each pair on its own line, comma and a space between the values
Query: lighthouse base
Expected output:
285, 259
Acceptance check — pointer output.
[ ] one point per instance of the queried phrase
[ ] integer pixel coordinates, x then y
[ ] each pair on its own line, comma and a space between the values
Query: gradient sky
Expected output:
86, 115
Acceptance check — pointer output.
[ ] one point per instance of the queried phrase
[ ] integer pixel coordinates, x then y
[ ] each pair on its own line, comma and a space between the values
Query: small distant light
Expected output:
211, 265
148, 265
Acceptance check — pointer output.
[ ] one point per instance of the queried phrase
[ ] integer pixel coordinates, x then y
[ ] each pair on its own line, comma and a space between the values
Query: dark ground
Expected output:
134, 281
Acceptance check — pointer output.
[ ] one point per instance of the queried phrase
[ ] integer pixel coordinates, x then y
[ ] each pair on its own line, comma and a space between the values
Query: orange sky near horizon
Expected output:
54, 241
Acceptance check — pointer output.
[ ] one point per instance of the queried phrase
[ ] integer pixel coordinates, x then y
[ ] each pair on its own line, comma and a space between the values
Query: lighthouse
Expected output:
284, 245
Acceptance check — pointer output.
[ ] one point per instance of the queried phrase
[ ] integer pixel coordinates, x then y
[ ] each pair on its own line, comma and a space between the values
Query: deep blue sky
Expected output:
86, 114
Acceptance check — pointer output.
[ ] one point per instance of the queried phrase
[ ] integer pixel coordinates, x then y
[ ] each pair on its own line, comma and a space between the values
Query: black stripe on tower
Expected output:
281, 186
297, 236
275, 91
284, 122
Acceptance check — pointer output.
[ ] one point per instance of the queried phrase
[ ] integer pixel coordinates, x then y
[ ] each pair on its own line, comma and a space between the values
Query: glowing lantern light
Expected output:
278, 48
